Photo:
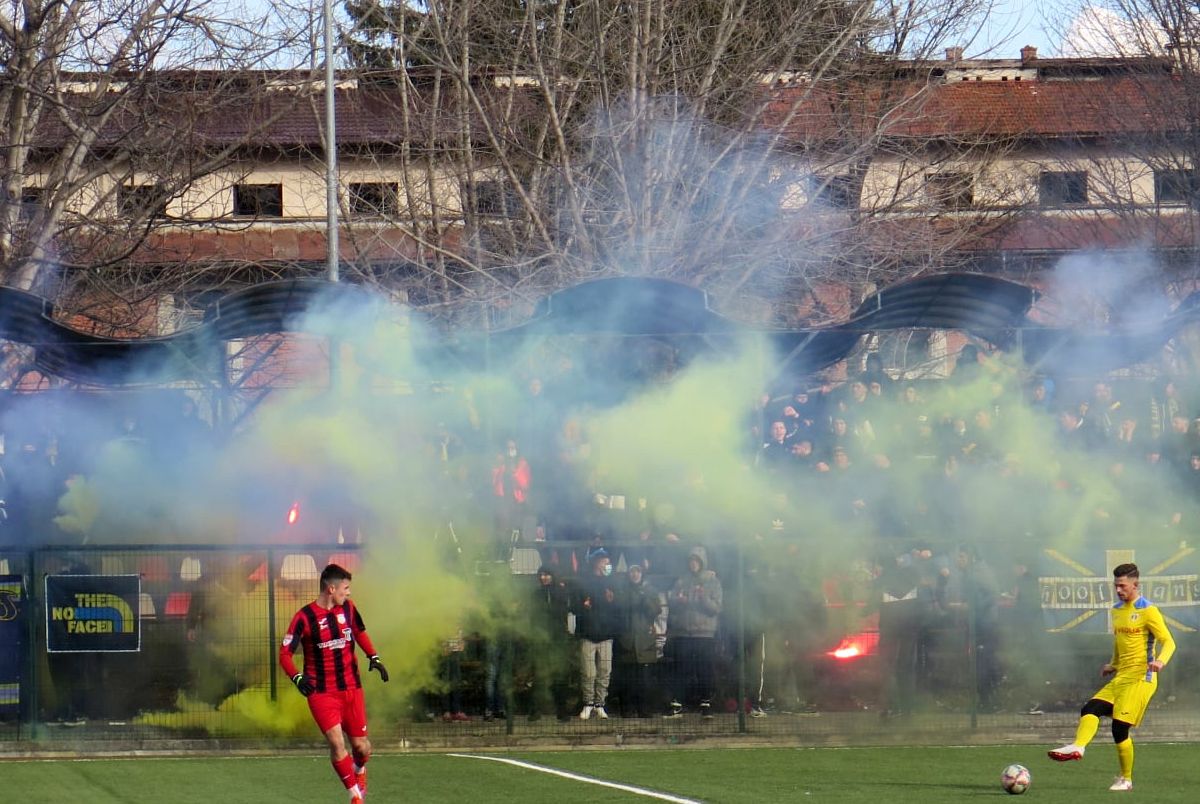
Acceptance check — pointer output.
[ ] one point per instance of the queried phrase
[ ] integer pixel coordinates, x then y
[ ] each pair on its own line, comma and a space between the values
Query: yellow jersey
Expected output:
1139, 636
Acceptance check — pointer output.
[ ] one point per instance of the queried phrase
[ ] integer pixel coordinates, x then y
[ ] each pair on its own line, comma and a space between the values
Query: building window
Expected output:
833, 191
141, 200
1175, 186
374, 198
951, 190
493, 198
31, 199
1062, 188
258, 200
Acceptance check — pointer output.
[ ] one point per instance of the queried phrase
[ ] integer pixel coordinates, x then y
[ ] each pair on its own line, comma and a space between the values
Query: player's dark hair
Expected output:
334, 573
1126, 571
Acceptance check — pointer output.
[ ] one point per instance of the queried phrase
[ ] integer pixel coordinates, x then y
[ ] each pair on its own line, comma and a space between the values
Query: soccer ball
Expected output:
1015, 779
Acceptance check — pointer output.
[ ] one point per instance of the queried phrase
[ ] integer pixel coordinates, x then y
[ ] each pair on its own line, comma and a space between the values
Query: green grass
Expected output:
1165, 773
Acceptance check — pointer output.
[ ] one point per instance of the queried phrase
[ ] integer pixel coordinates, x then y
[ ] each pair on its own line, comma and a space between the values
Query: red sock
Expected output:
360, 759
344, 768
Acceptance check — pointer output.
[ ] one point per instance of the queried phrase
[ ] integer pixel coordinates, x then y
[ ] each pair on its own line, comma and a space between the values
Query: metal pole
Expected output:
972, 592
272, 632
741, 641
30, 682
331, 184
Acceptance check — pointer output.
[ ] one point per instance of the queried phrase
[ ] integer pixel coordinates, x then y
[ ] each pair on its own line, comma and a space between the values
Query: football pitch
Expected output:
1165, 773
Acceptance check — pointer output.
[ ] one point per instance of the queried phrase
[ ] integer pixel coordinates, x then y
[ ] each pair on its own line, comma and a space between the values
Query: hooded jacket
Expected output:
640, 607
695, 601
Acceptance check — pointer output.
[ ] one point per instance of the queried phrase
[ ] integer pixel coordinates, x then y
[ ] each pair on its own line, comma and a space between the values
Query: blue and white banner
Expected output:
93, 613
12, 640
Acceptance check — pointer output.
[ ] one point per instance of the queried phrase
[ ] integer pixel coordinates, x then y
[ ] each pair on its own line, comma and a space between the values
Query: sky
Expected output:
1016, 23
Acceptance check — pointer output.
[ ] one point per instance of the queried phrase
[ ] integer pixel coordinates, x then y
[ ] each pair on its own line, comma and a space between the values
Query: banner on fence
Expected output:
92, 613
12, 638
1081, 599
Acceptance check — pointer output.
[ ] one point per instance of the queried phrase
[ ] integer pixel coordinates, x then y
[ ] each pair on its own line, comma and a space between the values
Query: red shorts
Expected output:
344, 708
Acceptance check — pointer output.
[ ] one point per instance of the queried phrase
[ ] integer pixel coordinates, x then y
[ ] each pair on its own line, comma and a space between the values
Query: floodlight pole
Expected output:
331, 180
331, 183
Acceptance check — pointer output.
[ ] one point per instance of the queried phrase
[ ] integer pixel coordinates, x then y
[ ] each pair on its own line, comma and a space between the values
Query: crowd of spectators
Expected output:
626, 607
45, 443
902, 463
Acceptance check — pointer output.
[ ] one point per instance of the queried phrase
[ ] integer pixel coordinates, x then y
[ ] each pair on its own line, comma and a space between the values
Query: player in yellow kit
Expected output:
1142, 645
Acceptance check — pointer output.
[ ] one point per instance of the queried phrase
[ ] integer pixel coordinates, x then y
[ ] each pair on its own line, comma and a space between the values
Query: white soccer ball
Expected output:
1015, 779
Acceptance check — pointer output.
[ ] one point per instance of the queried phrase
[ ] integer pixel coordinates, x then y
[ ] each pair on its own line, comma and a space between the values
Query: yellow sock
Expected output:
1125, 757
1088, 724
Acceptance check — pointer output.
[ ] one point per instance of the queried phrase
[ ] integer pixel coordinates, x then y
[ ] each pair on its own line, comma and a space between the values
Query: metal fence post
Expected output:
273, 640
29, 685
741, 640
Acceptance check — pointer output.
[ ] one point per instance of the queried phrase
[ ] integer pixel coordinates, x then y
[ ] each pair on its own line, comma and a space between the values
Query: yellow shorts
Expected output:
1129, 695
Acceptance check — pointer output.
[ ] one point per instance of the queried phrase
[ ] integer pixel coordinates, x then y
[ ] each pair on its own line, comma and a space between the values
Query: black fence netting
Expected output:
150, 644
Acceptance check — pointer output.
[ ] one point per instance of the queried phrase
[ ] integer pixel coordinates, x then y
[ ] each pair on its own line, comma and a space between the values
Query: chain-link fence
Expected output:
194, 656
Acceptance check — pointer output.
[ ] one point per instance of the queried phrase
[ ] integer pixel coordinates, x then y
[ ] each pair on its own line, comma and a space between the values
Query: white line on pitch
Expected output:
641, 791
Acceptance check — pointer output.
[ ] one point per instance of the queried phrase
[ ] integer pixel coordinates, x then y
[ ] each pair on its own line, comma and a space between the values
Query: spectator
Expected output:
1103, 412
967, 366
694, 605
567, 500
874, 373
855, 403
802, 455
1177, 444
801, 414
839, 437
1127, 441
969, 590
775, 455
511, 478
1020, 617
1041, 395
1074, 435
497, 669
1165, 405
450, 672
597, 623
34, 485
758, 421
549, 645
902, 617
848, 491
638, 642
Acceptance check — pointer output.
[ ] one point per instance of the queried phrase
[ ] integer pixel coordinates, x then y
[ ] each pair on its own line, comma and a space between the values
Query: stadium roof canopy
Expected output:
992, 309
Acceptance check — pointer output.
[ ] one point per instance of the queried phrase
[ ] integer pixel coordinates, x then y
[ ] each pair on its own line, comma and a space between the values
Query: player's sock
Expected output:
1088, 725
344, 768
360, 770
1125, 757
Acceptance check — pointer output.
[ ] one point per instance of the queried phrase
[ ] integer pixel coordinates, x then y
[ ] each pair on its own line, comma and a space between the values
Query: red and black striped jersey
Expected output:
328, 637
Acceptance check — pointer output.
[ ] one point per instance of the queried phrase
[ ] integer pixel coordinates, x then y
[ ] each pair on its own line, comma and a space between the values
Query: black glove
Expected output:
303, 684
378, 665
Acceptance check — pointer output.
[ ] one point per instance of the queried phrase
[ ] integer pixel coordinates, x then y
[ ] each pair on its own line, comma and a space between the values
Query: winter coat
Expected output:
548, 606
640, 606
597, 608
695, 601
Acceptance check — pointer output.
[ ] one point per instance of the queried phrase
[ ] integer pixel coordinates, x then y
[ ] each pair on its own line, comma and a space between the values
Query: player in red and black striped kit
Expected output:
328, 628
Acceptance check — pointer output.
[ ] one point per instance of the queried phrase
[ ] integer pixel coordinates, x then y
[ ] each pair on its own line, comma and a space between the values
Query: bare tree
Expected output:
113, 112
760, 149
1136, 191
